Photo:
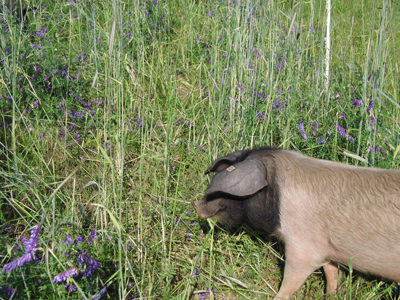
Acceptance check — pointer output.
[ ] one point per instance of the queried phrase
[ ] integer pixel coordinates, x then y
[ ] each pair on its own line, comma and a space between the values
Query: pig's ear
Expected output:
242, 179
223, 162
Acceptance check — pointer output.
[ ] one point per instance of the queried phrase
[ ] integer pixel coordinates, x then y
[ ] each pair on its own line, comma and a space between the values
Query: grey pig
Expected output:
324, 212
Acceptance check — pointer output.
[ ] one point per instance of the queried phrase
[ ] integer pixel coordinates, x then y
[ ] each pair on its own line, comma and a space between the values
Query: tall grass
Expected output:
111, 111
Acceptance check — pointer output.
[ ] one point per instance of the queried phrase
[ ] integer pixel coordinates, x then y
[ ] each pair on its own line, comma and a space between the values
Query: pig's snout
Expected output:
197, 207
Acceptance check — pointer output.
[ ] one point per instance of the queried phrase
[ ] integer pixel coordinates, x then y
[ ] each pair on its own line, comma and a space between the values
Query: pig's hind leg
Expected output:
331, 274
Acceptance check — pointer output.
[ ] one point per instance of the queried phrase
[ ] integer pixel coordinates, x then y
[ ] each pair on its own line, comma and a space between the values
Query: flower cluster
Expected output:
300, 128
71, 272
86, 267
83, 265
29, 253
343, 133
203, 295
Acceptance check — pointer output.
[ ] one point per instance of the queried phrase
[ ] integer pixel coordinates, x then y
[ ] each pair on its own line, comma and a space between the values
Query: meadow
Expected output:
111, 111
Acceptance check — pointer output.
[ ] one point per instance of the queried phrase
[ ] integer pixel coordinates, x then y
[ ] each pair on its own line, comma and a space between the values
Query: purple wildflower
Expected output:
139, 122
256, 52
357, 102
203, 295
8, 229
277, 104
78, 137
240, 87
160, 200
64, 73
128, 246
70, 287
372, 119
78, 114
36, 104
38, 33
203, 148
72, 272
77, 75
260, 115
71, 127
379, 149
316, 126
18, 262
79, 239
196, 273
23, 240
342, 116
37, 46
31, 244
93, 264
259, 95
370, 106
210, 13
90, 263
8, 290
323, 140
188, 237
279, 92
40, 136
93, 235
281, 64
99, 294
312, 29
343, 133
300, 127
370, 149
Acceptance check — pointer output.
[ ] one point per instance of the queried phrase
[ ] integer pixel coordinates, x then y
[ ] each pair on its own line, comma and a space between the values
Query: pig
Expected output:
325, 213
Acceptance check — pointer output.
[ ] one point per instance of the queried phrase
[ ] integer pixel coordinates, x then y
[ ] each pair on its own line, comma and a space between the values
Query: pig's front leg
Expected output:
295, 275
298, 266
331, 274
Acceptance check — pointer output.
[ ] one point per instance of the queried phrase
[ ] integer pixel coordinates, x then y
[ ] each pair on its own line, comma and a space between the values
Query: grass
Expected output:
112, 110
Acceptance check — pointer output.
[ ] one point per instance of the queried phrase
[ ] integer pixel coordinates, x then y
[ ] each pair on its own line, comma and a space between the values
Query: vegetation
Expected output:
112, 110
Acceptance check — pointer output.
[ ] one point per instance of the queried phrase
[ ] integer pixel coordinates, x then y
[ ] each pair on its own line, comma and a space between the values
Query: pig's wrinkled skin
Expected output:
324, 212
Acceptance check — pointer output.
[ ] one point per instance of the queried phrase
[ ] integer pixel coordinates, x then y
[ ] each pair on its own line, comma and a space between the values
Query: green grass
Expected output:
112, 110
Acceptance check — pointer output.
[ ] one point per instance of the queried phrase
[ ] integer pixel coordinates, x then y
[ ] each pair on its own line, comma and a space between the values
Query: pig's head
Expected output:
239, 194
